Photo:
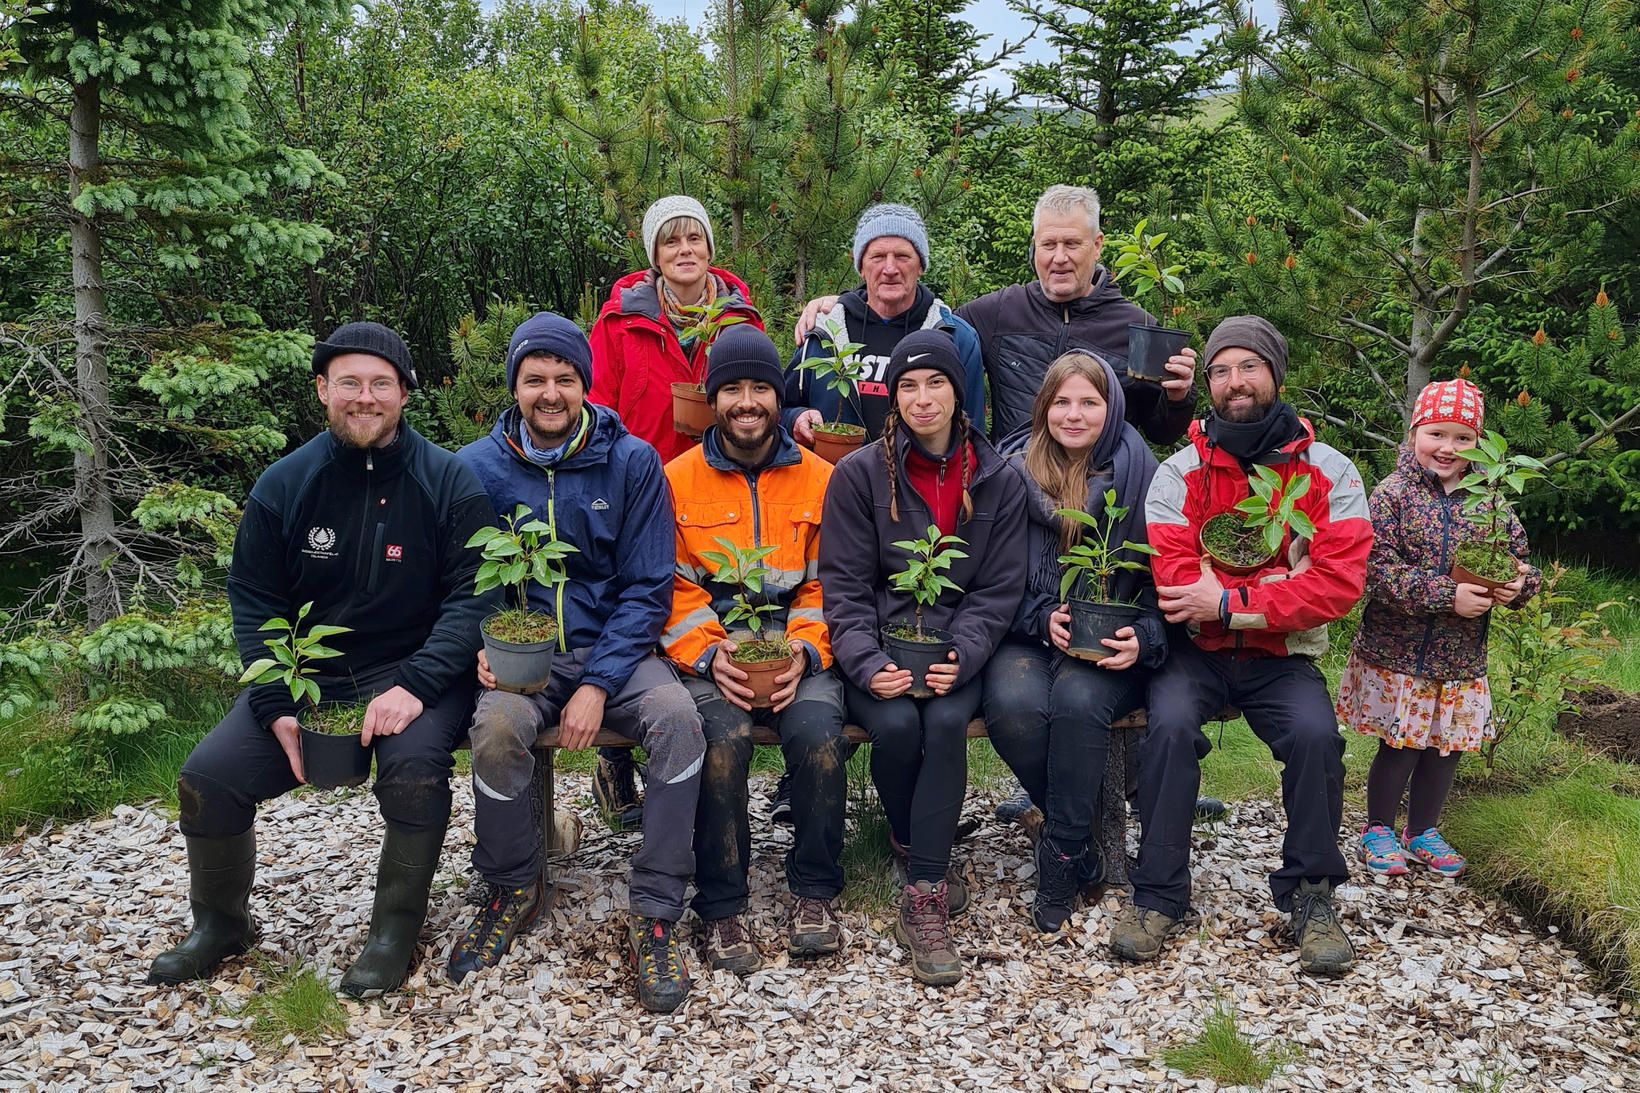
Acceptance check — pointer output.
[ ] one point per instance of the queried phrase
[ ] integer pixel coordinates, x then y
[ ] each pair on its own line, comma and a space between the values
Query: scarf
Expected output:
1248, 441
548, 457
672, 307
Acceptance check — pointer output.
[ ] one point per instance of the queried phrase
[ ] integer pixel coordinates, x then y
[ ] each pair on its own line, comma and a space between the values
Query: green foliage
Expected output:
467, 404
294, 1004
706, 322
1272, 508
1142, 269
923, 578
288, 665
517, 554
1498, 475
1222, 1052
841, 369
743, 568
1091, 562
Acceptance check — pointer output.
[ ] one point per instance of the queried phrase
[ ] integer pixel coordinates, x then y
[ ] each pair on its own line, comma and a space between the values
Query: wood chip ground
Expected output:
1450, 991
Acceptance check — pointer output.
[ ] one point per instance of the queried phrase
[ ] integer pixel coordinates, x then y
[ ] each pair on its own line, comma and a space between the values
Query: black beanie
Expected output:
743, 352
926, 349
1252, 333
372, 338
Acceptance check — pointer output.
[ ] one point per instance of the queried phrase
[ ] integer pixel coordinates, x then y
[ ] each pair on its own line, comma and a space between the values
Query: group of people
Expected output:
369, 521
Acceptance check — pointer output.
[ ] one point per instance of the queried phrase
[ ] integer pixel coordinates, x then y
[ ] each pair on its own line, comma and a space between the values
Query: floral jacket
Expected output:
1408, 625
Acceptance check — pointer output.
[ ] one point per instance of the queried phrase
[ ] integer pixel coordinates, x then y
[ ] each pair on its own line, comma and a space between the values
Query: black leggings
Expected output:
919, 763
1431, 775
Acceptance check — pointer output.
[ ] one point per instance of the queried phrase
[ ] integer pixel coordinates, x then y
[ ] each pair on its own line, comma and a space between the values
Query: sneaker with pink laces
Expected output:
1434, 851
1380, 851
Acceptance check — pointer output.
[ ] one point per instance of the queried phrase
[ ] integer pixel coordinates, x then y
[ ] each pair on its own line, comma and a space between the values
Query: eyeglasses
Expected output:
1247, 369
349, 388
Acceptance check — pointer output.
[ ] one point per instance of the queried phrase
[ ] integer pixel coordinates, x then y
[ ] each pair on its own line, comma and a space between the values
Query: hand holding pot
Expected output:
942, 677
786, 682
1505, 594
1471, 601
486, 678
803, 427
389, 714
1181, 367
288, 733
583, 716
1126, 644
730, 680
892, 682
1196, 602
1059, 627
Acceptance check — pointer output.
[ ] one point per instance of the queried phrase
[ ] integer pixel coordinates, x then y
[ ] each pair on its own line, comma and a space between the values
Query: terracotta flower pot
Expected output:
760, 676
1224, 564
832, 443
690, 413
1463, 576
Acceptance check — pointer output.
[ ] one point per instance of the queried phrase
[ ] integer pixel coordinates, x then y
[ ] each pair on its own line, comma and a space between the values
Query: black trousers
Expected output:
1048, 716
1285, 702
811, 739
919, 764
240, 764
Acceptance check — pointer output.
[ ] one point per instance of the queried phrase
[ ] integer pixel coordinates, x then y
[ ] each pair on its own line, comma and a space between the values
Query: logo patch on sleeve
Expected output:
395, 553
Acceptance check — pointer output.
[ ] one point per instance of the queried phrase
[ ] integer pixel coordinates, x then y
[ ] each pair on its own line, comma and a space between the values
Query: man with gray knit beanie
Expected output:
890, 253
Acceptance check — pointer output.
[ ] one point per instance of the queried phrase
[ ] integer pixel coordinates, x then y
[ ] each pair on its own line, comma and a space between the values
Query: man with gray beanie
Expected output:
574, 464
1248, 636
890, 253
366, 525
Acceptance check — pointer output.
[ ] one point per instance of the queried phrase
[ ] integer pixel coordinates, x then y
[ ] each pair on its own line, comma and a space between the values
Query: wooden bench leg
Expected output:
541, 792
1112, 834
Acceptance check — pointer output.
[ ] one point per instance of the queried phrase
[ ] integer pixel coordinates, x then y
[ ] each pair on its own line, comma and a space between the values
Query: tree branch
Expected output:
1560, 457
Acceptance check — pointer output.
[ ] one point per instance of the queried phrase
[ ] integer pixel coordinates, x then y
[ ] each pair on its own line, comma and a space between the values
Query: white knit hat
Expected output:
667, 208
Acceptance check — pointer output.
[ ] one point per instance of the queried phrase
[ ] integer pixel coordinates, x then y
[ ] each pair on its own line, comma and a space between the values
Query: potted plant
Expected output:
1242, 544
761, 658
840, 371
1142, 270
1091, 565
912, 645
333, 753
1487, 560
518, 641
690, 414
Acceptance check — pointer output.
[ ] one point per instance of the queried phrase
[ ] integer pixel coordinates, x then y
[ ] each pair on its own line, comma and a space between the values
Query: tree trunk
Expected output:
1423, 324
91, 488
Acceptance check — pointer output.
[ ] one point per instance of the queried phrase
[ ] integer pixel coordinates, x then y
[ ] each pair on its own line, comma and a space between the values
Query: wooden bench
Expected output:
1111, 837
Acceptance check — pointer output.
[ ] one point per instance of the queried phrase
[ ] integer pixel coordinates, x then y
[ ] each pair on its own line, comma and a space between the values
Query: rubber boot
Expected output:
403, 879
220, 873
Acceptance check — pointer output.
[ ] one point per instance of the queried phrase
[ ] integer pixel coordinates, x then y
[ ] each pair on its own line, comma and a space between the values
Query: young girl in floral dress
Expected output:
1416, 677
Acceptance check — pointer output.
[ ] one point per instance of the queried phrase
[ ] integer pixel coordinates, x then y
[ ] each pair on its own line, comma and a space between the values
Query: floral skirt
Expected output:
1407, 711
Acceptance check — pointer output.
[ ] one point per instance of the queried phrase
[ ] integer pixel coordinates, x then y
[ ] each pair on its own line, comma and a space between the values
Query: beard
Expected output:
746, 439
355, 430
1257, 410
547, 440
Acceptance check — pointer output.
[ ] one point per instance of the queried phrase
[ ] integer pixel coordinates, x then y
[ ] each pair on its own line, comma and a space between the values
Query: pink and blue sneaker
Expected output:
1381, 852
1435, 852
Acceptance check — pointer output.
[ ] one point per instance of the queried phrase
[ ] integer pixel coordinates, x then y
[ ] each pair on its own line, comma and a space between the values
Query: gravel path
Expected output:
1450, 991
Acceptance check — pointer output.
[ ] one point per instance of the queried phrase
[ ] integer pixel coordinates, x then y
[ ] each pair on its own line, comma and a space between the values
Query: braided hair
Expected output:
891, 426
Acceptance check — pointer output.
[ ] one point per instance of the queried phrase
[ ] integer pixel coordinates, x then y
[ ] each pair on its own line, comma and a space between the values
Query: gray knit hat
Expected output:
667, 208
901, 221
1249, 332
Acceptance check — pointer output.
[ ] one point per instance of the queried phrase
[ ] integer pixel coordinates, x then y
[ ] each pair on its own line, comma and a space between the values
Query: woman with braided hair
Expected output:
931, 468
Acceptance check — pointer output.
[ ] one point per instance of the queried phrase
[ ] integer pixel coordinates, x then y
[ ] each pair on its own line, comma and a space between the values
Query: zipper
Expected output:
552, 520
362, 567
1445, 564
1064, 332
757, 512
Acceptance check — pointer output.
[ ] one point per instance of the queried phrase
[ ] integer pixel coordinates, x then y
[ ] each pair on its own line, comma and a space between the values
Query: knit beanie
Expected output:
545, 332
372, 338
743, 352
666, 209
926, 349
1249, 332
1457, 401
901, 221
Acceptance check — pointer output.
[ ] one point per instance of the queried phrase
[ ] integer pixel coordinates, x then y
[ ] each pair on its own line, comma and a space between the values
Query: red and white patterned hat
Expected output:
1457, 401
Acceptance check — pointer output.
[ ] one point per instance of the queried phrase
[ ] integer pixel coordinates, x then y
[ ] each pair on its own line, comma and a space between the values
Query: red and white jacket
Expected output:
1272, 610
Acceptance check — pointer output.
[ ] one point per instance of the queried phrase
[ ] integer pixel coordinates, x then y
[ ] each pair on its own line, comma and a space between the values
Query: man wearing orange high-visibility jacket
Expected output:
749, 484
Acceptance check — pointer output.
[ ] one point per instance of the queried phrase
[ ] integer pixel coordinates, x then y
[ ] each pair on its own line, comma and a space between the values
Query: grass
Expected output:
867, 868
1221, 1052
294, 1002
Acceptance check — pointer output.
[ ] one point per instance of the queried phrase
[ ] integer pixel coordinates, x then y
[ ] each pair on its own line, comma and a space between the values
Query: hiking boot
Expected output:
1139, 933
615, 788
1380, 851
403, 879
1056, 885
1434, 851
1323, 948
506, 914
1010, 809
1032, 820
220, 873
780, 811
729, 945
652, 947
956, 886
815, 929
924, 927
1090, 878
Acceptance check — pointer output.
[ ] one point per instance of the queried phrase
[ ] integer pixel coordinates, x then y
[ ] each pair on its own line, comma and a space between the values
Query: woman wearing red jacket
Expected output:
638, 347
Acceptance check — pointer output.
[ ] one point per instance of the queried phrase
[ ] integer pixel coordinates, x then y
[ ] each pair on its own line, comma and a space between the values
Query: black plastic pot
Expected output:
918, 656
1148, 350
520, 667
1092, 622
331, 762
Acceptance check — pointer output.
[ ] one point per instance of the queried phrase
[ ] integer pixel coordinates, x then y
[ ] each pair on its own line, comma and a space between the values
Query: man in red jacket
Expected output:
1253, 640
